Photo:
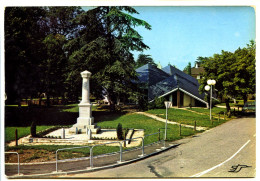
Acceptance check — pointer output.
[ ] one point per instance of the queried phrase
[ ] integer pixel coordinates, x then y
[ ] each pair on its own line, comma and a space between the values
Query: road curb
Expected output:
93, 169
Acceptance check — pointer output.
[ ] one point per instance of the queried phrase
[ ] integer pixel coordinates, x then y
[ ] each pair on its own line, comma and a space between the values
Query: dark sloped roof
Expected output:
150, 74
172, 70
164, 81
162, 87
190, 87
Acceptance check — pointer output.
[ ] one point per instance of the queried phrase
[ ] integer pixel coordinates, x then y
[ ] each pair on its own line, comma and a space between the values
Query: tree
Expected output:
244, 67
103, 47
143, 60
233, 72
187, 69
23, 51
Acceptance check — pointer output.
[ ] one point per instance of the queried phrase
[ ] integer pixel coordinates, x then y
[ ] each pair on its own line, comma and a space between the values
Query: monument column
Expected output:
85, 86
85, 120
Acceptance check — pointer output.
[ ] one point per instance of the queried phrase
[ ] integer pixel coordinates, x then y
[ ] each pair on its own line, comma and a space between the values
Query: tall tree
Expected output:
187, 69
103, 47
144, 59
23, 51
234, 73
244, 71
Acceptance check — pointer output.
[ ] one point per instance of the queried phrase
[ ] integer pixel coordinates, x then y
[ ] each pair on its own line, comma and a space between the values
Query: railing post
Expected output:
142, 146
120, 152
57, 160
159, 134
195, 124
18, 164
180, 129
91, 157
16, 137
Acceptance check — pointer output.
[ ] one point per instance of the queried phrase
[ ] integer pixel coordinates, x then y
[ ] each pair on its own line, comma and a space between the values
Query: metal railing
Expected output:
67, 149
18, 160
91, 151
114, 142
145, 136
142, 143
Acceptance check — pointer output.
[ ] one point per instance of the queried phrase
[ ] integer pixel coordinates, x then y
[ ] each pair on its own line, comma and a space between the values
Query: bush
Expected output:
33, 129
158, 103
119, 131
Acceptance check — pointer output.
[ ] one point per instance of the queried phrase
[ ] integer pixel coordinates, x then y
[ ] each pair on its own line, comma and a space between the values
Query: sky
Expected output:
181, 34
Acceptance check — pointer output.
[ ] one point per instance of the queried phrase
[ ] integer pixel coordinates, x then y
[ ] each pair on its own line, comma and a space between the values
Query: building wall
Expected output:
187, 100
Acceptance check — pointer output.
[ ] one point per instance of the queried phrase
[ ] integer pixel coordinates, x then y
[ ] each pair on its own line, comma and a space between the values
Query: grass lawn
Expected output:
186, 117
62, 115
22, 131
214, 110
148, 124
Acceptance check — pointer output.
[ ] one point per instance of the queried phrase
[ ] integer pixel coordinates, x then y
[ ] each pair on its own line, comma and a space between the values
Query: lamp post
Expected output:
207, 88
167, 105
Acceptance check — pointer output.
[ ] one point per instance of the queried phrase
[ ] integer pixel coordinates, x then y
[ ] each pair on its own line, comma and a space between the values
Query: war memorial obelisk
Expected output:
85, 120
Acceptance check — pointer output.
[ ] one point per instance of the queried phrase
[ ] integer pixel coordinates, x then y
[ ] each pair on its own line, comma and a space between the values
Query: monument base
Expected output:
82, 127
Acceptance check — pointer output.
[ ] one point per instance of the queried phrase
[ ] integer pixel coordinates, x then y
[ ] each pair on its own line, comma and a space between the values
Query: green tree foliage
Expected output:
234, 73
119, 131
23, 51
34, 44
143, 60
187, 69
103, 47
47, 48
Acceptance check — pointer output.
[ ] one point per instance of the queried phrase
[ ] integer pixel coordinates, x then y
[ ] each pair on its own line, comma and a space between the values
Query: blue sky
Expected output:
180, 34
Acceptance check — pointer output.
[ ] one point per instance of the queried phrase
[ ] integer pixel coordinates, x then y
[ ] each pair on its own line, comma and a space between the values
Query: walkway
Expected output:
199, 128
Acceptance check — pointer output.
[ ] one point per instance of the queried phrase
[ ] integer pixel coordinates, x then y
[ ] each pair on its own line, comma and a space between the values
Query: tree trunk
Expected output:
227, 104
48, 100
245, 98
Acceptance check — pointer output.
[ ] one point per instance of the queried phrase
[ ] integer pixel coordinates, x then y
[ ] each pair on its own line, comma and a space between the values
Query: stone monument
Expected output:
85, 120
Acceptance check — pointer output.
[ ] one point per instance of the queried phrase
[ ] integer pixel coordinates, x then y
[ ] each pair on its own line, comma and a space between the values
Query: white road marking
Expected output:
206, 171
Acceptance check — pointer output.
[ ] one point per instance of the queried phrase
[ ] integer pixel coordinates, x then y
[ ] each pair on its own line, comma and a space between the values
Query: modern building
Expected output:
169, 82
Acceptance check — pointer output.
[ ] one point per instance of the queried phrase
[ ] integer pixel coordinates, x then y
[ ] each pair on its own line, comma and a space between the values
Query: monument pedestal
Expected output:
85, 120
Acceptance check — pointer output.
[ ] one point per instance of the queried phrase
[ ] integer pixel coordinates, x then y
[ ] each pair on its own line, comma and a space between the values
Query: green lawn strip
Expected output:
186, 117
149, 125
215, 111
128, 121
22, 132
63, 154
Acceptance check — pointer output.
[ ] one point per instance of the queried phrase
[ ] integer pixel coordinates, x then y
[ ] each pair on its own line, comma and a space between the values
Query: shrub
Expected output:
159, 103
33, 129
119, 131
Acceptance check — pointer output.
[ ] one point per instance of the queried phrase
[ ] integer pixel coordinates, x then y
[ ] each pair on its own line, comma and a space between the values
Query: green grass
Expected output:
239, 103
22, 131
75, 108
149, 125
186, 117
64, 154
215, 110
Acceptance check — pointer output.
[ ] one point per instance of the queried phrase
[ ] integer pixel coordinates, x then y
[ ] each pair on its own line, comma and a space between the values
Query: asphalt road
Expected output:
225, 151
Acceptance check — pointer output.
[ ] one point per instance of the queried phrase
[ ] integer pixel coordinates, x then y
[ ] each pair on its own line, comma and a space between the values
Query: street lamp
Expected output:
209, 87
168, 104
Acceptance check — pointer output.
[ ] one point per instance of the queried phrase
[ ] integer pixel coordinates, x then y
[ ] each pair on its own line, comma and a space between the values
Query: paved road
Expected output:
211, 154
